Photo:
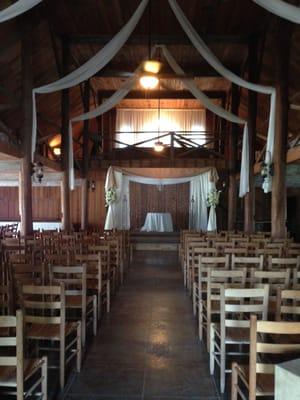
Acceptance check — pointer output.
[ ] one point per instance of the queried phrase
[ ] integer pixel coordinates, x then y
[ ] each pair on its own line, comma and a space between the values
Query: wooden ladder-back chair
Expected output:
274, 279
19, 376
288, 305
45, 321
233, 330
200, 283
96, 281
281, 263
247, 262
77, 300
210, 307
192, 269
108, 273
269, 340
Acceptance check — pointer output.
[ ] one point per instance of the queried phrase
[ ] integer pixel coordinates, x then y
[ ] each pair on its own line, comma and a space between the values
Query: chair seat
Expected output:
49, 331
8, 375
264, 382
234, 335
76, 301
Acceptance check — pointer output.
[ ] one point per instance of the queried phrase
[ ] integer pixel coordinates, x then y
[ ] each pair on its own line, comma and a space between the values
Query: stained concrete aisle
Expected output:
147, 348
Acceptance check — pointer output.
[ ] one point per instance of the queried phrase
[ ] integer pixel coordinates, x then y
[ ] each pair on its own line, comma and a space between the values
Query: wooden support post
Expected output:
85, 154
278, 213
249, 202
25, 185
65, 102
232, 159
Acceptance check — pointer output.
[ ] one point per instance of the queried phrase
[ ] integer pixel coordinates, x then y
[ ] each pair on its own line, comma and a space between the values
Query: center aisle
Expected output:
147, 348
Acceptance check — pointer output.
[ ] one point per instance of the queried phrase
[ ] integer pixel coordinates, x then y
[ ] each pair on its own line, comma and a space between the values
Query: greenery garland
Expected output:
213, 198
110, 196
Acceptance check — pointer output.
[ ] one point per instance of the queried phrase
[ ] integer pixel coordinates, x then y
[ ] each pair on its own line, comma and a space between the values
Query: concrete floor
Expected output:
147, 348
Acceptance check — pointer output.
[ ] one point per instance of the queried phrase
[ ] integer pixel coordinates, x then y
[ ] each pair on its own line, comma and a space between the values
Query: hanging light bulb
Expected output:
158, 146
148, 81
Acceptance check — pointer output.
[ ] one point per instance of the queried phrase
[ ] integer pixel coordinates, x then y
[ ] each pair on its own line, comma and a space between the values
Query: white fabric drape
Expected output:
88, 69
244, 178
281, 9
17, 8
138, 125
218, 66
118, 215
191, 86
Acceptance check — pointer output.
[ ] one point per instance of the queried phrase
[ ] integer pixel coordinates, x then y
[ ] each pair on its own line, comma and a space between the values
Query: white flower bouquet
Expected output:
110, 196
213, 198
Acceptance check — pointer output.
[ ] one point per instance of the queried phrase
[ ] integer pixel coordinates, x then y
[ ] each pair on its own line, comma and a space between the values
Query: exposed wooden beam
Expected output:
53, 165
163, 94
159, 39
10, 150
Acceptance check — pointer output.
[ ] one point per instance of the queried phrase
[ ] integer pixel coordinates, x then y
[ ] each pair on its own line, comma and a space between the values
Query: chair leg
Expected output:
78, 345
212, 349
234, 382
200, 320
95, 315
222, 366
45, 378
62, 363
83, 330
194, 299
108, 296
99, 306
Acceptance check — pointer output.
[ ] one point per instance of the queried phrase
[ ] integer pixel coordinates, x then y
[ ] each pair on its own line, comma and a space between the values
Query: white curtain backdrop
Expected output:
137, 125
88, 69
244, 177
282, 9
218, 66
118, 214
17, 8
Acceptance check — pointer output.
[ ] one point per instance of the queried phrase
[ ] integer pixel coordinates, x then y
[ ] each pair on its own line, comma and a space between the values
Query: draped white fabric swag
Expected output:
281, 9
138, 125
218, 66
118, 214
17, 8
88, 69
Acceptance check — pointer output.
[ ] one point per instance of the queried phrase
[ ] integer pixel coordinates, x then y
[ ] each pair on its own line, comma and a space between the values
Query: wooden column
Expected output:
25, 184
65, 105
232, 159
85, 163
249, 202
278, 213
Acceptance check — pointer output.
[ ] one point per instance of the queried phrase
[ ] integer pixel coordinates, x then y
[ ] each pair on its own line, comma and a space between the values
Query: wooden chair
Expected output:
45, 320
200, 283
274, 279
6, 299
75, 280
210, 307
275, 263
193, 267
96, 281
18, 376
238, 262
258, 377
287, 304
233, 329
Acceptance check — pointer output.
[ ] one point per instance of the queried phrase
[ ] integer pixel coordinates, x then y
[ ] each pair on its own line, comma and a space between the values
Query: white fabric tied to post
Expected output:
199, 95
226, 73
281, 9
88, 69
17, 8
118, 215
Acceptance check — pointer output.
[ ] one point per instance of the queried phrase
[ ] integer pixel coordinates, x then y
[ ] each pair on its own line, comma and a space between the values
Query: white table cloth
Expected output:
158, 222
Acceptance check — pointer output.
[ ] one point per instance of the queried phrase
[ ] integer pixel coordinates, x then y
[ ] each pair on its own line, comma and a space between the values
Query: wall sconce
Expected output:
37, 171
92, 185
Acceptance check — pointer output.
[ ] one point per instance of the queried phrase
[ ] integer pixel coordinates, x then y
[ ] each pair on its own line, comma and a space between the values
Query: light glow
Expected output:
159, 146
152, 66
57, 151
149, 81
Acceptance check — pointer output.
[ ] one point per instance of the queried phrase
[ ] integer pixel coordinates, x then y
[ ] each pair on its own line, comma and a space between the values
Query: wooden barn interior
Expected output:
147, 245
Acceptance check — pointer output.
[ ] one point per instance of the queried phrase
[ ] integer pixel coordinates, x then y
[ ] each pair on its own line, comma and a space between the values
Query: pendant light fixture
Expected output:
151, 67
158, 145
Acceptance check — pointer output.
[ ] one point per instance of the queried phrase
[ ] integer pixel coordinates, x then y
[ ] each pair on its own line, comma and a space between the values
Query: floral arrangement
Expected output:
110, 196
213, 198
267, 172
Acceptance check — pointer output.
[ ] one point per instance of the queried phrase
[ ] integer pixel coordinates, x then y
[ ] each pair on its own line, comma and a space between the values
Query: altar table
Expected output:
158, 222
